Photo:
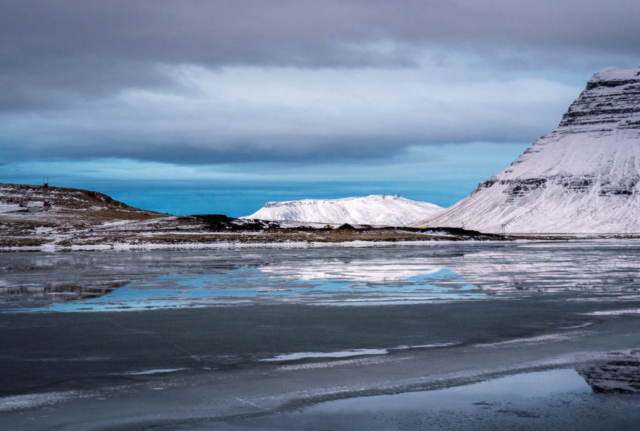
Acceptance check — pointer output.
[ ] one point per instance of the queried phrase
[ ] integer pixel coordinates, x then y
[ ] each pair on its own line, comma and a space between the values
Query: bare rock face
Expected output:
582, 178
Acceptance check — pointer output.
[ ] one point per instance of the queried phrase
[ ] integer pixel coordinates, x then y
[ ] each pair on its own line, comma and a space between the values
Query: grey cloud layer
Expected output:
53, 52
62, 56
296, 32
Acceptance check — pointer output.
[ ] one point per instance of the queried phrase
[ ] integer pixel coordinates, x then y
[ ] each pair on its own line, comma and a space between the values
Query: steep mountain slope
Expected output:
584, 177
385, 210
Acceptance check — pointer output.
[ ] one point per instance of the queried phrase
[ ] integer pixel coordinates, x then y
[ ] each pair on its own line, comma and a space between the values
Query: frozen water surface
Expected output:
444, 336
104, 281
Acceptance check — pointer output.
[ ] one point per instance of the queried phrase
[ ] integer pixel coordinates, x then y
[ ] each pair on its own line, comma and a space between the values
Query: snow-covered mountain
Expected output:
584, 177
387, 210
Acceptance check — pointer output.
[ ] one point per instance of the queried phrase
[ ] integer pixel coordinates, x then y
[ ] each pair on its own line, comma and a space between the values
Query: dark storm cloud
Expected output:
48, 47
65, 55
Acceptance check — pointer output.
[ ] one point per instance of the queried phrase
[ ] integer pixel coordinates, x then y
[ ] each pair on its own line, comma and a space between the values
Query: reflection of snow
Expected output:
366, 271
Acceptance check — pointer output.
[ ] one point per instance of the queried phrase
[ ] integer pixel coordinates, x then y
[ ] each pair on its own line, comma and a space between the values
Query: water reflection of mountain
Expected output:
56, 292
357, 270
574, 267
619, 374
442, 271
558, 267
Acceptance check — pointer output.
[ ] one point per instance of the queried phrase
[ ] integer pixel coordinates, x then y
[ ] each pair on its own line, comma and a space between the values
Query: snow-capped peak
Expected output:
614, 74
385, 210
584, 177
370, 198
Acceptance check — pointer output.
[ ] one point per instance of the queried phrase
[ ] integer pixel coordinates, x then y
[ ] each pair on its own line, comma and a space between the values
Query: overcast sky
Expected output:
286, 99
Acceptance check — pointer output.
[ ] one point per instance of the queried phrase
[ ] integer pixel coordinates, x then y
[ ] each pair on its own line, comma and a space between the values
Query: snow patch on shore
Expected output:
18, 402
315, 355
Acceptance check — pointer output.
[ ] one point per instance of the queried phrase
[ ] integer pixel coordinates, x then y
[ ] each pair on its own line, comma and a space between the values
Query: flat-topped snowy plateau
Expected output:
378, 210
584, 177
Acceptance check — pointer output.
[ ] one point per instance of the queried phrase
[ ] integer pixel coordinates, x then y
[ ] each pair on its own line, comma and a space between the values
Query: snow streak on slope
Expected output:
384, 210
584, 177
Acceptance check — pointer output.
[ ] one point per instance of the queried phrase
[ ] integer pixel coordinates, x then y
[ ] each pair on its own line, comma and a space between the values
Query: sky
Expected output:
196, 106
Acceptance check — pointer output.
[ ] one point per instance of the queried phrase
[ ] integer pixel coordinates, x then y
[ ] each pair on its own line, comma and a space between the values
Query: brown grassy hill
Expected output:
67, 199
72, 209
